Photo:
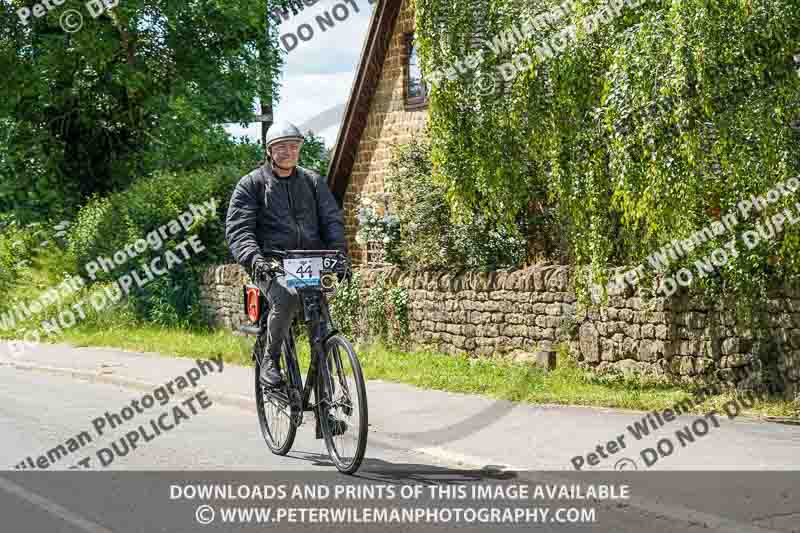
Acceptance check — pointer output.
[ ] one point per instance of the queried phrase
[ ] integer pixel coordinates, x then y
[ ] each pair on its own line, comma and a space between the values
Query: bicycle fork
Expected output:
317, 337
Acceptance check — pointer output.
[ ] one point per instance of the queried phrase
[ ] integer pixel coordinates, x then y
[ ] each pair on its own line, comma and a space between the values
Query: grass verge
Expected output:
568, 384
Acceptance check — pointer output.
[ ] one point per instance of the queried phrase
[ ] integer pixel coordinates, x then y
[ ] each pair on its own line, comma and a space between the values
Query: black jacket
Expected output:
294, 213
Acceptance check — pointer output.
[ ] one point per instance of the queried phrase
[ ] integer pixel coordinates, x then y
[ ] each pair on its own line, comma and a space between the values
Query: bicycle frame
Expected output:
320, 328
334, 400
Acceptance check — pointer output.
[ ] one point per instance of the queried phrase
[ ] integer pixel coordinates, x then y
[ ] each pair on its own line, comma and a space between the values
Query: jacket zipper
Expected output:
294, 217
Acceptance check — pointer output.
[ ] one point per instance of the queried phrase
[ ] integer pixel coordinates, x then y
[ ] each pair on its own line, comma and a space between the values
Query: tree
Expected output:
314, 155
144, 76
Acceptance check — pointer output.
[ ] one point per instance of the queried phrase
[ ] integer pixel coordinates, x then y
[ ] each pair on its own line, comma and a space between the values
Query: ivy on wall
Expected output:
636, 134
380, 312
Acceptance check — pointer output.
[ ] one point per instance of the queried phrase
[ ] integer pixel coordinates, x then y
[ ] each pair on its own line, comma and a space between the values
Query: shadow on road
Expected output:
379, 470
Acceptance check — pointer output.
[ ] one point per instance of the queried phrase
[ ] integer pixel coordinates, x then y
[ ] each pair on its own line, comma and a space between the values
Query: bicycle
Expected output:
280, 409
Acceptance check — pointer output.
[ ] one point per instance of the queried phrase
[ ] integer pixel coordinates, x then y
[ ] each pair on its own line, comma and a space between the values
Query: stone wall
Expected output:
221, 296
526, 311
388, 123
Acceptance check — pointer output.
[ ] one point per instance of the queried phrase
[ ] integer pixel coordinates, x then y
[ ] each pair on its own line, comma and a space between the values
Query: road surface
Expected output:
221, 444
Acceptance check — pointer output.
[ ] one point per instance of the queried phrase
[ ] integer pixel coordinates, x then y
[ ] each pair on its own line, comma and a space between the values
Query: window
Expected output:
416, 90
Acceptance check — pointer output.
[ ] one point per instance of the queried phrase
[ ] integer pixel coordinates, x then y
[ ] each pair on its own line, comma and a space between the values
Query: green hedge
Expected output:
107, 225
18, 245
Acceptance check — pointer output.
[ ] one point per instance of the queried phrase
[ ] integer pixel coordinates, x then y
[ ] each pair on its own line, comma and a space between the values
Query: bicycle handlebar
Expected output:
320, 253
284, 253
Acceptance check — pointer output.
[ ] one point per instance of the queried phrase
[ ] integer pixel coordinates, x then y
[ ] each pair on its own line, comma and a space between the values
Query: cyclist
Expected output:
281, 206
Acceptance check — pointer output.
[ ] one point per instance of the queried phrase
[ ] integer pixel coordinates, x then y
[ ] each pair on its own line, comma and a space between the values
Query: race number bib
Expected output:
303, 271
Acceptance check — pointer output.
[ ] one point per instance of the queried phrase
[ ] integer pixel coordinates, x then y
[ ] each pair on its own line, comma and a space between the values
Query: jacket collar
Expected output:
268, 168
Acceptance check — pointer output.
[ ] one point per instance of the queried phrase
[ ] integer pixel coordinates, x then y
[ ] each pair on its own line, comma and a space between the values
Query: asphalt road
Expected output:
40, 411
222, 444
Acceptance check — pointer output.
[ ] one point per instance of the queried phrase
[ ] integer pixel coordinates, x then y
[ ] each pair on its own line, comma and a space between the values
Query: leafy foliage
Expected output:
172, 300
433, 235
187, 149
398, 297
378, 313
376, 309
635, 135
383, 228
314, 155
18, 245
346, 307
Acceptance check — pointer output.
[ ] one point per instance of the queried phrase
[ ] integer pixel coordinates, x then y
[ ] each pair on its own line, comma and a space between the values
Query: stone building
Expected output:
533, 310
387, 106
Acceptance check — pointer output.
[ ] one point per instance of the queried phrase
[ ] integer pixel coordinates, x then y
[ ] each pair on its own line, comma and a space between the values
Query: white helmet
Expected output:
282, 131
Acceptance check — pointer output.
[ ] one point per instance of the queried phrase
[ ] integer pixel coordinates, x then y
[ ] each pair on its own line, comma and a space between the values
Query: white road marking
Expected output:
51, 507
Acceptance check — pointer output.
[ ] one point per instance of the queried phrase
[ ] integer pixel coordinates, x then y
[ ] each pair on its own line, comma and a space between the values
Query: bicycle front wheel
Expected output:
342, 399
274, 405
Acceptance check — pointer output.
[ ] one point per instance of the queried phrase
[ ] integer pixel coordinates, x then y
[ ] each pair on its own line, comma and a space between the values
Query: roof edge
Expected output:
364, 85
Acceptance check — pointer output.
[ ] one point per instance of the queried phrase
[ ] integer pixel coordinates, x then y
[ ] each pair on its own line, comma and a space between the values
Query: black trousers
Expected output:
284, 303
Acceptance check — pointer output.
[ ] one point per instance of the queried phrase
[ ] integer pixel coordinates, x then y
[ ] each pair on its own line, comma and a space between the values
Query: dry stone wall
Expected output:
524, 312
222, 298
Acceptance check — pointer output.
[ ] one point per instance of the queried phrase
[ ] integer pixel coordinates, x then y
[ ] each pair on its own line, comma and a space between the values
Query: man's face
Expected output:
286, 154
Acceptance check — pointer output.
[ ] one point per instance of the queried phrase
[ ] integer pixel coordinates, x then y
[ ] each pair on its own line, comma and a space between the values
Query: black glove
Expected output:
265, 270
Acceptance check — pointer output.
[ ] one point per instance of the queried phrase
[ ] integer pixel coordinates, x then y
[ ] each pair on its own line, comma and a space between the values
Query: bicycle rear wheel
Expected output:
274, 405
342, 397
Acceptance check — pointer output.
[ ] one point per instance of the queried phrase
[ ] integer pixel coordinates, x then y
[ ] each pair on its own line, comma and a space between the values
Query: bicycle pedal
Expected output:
274, 389
276, 394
